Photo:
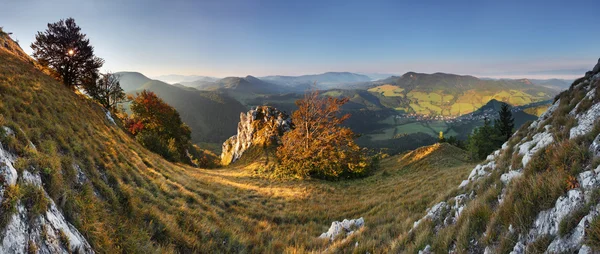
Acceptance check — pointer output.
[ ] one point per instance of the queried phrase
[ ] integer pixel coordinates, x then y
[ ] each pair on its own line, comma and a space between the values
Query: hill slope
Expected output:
211, 116
538, 194
122, 198
453, 95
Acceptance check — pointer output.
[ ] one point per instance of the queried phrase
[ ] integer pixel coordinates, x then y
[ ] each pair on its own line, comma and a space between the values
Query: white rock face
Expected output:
507, 177
235, 146
547, 221
572, 241
426, 250
345, 226
109, 117
21, 230
529, 148
544, 116
595, 146
585, 121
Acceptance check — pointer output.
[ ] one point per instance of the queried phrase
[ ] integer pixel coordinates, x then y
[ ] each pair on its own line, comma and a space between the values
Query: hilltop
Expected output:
453, 95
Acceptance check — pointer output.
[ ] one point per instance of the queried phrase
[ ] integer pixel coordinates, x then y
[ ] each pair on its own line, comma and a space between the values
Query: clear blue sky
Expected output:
222, 37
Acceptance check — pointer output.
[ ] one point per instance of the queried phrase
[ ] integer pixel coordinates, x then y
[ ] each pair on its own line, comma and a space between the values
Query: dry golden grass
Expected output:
136, 202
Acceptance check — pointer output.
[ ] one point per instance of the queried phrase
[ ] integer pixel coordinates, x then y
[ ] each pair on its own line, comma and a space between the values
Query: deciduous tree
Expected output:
318, 145
158, 127
63, 48
107, 90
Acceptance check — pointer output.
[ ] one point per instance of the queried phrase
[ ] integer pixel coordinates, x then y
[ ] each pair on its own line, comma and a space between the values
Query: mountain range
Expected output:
211, 115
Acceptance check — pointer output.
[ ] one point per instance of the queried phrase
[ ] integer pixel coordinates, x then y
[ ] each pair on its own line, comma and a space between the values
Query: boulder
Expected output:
345, 226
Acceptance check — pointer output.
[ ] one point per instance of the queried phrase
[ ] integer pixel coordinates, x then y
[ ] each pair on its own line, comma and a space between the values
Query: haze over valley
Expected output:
299, 127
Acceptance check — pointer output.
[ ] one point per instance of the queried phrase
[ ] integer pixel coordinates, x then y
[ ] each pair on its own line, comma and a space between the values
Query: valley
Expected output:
383, 110
299, 127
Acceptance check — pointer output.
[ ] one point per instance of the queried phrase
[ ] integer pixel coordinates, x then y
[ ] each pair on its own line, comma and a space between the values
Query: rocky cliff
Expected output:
538, 193
261, 126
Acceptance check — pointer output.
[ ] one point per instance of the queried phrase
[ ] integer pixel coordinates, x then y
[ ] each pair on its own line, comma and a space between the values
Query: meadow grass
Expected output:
133, 201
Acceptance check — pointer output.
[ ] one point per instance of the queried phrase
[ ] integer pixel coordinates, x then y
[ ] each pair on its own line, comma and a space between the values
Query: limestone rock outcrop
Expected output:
47, 232
346, 226
263, 125
521, 150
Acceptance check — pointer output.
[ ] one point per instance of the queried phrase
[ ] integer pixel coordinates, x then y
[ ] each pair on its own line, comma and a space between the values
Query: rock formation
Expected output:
261, 126
522, 148
346, 226
47, 232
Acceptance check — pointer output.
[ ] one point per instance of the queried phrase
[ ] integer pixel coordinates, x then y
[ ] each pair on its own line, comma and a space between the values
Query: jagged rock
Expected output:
479, 171
547, 221
43, 230
109, 117
595, 146
436, 213
263, 125
597, 67
585, 250
426, 250
529, 148
518, 249
572, 241
585, 121
347, 226
7, 170
507, 177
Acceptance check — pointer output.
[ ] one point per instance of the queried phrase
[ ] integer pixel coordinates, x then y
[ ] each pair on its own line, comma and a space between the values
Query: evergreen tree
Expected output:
63, 48
505, 123
482, 141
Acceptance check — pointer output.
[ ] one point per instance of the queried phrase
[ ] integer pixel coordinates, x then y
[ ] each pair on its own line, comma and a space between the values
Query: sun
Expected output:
71, 52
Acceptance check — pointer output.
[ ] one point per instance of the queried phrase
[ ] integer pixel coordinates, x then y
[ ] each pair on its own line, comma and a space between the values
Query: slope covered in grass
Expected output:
123, 198
539, 193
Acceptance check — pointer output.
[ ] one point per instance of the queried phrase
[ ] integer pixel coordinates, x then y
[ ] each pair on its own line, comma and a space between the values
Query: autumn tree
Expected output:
158, 126
107, 90
67, 51
318, 145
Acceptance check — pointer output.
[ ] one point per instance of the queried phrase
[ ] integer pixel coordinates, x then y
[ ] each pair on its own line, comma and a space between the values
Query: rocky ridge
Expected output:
581, 105
260, 126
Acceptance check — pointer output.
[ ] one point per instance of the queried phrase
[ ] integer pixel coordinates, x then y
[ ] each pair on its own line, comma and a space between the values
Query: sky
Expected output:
513, 39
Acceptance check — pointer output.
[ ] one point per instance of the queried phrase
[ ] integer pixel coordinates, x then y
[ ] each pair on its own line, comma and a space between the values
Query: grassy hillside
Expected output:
453, 95
126, 199
541, 184
212, 116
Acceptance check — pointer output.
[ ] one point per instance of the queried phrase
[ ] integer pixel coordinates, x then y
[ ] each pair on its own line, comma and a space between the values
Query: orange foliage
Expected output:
318, 145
